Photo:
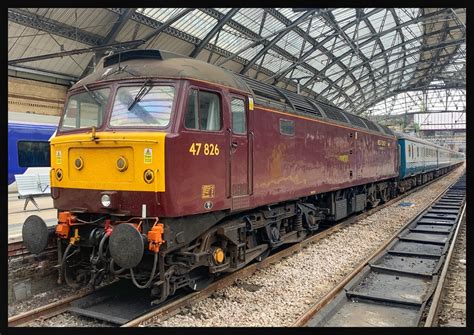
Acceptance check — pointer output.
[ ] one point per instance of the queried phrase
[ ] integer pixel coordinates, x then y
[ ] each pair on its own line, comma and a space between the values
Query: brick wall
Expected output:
25, 95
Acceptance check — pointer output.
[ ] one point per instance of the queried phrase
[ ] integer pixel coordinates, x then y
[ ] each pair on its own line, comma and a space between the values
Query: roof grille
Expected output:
372, 125
302, 104
332, 112
355, 120
262, 89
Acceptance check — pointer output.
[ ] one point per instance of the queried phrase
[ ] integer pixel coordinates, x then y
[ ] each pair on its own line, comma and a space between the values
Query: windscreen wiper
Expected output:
141, 93
94, 95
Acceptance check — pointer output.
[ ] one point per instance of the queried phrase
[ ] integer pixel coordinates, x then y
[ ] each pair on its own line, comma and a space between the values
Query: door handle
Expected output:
233, 146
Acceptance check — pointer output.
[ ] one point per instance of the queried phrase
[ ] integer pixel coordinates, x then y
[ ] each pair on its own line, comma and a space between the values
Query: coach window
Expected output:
33, 154
238, 116
417, 151
409, 150
203, 111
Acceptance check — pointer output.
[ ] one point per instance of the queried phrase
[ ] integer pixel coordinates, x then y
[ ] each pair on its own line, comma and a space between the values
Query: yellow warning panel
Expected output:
58, 157
208, 191
148, 156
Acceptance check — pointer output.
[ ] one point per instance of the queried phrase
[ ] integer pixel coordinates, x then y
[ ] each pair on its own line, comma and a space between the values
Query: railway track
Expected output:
18, 249
104, 304
394, 285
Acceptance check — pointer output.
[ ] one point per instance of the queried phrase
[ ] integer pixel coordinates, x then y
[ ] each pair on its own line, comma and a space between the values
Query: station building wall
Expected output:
31, 96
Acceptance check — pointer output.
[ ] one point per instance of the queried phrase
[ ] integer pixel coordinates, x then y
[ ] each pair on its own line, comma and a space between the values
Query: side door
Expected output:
239, 152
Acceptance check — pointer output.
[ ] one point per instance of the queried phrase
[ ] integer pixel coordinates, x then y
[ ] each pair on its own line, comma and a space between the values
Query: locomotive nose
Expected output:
35, 234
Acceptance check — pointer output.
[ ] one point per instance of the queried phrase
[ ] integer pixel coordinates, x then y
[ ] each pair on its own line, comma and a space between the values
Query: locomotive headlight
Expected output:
122, 164
59, 174
148, 176
105, 200
78, 163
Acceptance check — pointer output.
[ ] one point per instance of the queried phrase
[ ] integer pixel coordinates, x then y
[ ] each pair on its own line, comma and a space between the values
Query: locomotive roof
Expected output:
158, 63
143, 63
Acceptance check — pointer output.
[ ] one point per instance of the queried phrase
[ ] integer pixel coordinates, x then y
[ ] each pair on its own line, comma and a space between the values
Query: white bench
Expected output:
32, 185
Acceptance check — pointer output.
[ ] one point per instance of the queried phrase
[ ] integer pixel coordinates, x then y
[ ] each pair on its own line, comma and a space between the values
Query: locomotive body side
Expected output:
319, 157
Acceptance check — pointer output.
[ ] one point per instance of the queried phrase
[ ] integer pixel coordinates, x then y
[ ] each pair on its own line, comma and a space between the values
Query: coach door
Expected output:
239, 153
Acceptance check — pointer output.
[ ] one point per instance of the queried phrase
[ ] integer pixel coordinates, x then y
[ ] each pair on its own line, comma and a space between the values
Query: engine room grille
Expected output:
332, 113
301, 103
355, 120
371, 125
262, 89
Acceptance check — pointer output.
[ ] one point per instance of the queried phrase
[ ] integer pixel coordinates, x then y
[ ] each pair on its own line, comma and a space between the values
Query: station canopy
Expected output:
353, 58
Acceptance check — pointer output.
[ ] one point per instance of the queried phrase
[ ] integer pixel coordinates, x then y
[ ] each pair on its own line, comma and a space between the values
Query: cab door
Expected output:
239, 153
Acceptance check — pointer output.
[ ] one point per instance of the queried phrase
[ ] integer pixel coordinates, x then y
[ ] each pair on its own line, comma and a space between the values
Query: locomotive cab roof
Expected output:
148, 63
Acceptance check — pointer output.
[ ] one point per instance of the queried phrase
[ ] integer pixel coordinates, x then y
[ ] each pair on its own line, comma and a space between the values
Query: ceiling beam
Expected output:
373, 38
198, 48
275, 13
303, 57
164, 25
277, 38
28, 19
72, 52
110, 38
381, 54
389, 94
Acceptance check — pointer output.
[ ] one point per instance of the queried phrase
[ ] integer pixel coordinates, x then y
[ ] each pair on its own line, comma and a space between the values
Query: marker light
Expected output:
78, 163
122, 164
148, 176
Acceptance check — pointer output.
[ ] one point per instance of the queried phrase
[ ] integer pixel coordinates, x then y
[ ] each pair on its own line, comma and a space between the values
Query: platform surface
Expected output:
16, 214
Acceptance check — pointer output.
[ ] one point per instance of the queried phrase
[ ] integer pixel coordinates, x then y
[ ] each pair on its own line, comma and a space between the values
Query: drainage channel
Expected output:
395, 286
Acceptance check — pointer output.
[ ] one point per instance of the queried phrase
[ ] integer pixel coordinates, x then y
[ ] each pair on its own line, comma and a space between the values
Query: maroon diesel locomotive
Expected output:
169, 171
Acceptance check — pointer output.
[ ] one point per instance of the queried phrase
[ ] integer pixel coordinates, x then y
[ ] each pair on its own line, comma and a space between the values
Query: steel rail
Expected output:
174, 307
326, 299
432, 317
44, 312
18, 249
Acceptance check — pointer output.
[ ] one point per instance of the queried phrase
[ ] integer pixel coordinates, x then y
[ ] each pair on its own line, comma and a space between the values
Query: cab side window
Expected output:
203, 111
238, 116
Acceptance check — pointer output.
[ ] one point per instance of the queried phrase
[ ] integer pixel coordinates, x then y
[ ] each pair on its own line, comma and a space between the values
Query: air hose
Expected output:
63, 267
101, 247
112, 270
147, 284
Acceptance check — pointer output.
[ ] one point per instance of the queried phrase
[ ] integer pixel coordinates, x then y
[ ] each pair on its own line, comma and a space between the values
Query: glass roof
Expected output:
354, 58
